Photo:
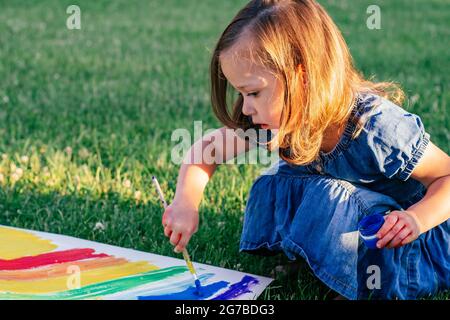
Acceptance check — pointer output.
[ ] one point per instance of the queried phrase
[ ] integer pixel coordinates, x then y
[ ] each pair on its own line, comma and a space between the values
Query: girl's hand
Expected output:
399, 228
180, 221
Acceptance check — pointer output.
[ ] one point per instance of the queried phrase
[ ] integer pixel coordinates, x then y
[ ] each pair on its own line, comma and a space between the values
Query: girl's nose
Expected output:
247, 109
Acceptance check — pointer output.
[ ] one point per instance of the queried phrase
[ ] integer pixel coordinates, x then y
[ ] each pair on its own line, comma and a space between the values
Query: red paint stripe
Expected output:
49, 258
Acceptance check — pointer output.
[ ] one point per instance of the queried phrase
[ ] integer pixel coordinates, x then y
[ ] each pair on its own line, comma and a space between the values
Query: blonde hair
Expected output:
298, 41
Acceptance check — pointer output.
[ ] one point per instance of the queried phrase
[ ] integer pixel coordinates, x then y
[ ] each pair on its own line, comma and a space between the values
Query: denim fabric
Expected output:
313, 211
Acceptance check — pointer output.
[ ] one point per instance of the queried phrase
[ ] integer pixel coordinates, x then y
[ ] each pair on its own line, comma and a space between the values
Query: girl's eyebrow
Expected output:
246, 86
254, 84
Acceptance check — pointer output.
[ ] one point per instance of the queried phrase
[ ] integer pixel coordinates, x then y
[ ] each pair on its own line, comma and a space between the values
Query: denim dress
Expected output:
313, 211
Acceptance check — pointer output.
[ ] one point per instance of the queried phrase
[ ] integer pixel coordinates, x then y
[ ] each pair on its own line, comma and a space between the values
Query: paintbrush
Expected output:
186, 257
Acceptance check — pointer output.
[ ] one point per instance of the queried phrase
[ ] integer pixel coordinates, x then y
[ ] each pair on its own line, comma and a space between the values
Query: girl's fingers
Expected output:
395, 243
167, 231
166, 220
389, 222
408, 239
166, 217
183, 242
175, 238
391, 234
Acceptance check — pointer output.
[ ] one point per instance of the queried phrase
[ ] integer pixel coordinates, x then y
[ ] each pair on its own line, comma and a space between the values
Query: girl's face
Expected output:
261, 91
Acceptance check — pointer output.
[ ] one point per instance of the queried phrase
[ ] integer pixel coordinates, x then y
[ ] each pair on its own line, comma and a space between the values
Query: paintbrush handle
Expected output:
189, 262
159, 191
186, 257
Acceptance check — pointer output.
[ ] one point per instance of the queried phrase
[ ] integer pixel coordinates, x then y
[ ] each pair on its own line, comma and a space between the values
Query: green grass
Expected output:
87, 115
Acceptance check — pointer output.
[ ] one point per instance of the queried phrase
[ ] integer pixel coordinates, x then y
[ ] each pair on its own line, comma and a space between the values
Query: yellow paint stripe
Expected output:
18, 243
86, 278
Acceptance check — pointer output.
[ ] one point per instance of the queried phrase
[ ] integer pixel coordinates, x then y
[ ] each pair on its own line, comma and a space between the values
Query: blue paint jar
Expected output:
368, 228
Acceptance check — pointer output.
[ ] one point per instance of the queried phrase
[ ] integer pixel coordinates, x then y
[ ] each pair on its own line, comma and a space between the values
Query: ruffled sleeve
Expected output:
396, 140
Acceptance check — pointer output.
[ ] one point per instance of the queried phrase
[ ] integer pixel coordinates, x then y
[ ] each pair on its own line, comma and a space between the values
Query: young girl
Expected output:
348, 151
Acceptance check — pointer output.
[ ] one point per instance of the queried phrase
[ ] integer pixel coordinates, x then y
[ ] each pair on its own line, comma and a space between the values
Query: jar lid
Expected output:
370, 225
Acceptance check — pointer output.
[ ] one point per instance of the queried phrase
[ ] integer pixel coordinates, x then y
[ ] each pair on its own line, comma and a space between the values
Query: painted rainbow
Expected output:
45, 266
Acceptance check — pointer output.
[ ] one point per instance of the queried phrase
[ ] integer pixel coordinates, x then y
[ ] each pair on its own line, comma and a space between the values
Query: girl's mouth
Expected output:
264, 126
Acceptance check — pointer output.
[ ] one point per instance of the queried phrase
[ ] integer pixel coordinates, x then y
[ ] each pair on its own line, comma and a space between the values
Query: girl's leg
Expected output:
316, 217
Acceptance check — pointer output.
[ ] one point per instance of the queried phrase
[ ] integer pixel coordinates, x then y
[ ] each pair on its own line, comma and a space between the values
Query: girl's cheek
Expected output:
276, 109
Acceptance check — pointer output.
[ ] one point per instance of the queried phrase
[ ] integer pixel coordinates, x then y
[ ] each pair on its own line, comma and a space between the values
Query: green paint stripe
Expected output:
102, 288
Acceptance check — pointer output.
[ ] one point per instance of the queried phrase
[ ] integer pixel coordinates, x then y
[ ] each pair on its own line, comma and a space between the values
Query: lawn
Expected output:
86, 116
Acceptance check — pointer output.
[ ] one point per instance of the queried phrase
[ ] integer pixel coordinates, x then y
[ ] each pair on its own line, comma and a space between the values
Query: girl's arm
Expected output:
433, 171
180, 219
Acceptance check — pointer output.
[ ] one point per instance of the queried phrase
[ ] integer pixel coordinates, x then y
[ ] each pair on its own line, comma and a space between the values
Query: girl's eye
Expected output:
255, 94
